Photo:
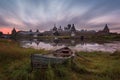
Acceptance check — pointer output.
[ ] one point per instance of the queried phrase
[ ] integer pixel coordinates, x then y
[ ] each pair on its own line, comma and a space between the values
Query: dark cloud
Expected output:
3, 22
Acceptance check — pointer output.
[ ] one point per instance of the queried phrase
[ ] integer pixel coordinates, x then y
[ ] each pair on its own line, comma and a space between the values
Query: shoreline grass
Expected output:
15, 65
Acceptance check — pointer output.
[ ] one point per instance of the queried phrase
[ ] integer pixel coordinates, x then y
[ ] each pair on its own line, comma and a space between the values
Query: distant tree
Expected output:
30, 30
31, 33
1, 34
37, 30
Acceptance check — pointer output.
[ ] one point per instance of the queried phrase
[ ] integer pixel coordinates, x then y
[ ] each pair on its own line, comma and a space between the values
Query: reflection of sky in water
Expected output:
107, 47
96, 47
41, 45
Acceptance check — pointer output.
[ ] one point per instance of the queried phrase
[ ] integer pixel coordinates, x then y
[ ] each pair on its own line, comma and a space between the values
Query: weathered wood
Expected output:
42, 61
35, 62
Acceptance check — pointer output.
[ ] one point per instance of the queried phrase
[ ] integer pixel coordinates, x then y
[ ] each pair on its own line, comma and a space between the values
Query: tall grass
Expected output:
15, 65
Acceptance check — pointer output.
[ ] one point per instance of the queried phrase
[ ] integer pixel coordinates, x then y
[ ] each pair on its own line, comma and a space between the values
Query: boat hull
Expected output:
38, 58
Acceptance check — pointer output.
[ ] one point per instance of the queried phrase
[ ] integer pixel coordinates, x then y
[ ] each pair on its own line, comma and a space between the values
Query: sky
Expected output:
43, 14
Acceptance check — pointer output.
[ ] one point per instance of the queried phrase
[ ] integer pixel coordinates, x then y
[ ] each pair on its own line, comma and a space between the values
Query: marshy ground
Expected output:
15, 65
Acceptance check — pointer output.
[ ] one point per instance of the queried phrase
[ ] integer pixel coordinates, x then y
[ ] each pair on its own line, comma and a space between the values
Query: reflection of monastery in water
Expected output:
57, 42
74, 44
70, 30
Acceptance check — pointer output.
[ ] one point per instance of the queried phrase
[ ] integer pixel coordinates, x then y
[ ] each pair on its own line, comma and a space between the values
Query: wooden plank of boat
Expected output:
43, 59
39, 59
63, 52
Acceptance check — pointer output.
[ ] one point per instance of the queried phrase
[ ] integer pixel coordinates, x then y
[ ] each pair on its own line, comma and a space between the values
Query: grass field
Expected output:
15, 65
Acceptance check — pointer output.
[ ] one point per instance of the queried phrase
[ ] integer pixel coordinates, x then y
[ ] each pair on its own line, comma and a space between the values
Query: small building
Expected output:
72, 34
36, 34
60, 29
6, 36
106, 30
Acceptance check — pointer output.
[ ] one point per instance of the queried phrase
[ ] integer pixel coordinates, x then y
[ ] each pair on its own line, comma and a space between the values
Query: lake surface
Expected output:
76, 45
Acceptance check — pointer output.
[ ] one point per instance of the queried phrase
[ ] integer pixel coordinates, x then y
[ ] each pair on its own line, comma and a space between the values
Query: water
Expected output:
73, 44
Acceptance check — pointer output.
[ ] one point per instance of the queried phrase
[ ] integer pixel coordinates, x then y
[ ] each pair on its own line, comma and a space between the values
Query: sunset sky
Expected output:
43, 14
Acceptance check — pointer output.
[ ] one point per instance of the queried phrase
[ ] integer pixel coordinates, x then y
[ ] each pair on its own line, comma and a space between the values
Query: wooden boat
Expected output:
63, 52
57, 57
